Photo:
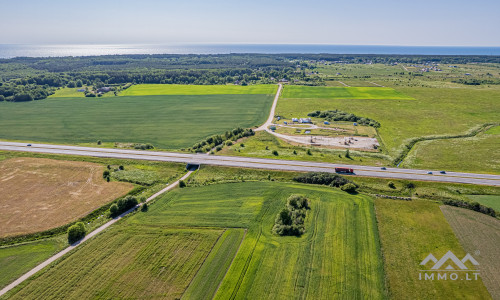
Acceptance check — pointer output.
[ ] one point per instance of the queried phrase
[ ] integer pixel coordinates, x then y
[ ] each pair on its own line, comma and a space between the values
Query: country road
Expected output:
269, 121
256, 163
86, 238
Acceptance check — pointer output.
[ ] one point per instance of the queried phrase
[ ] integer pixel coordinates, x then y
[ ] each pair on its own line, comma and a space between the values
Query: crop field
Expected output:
19, 259
322, 92
409, 231
492, 201
39, 194
182, 89
127, 262
339, 253
169, 122
66, 92
436, 111
480, 236
474, 154
267, 265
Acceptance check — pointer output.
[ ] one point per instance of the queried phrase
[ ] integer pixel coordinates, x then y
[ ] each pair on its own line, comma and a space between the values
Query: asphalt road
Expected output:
257, 163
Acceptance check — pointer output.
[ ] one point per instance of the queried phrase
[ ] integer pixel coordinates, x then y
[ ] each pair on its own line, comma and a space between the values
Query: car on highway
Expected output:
430, 173
383, 168
442, 172
29, 145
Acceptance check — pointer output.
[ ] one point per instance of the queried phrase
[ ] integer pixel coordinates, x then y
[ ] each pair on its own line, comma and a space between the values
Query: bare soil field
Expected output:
38, 194
479, 234
358, 142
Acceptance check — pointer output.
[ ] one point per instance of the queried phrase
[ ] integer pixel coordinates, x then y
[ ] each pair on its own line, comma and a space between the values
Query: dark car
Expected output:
442, 172
383, 168
430, 173
29, 145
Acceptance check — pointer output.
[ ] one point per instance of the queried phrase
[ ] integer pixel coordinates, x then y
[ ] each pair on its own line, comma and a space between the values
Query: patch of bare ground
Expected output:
38, 194
479, 234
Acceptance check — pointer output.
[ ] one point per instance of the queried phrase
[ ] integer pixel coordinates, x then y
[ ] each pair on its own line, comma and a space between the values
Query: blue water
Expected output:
9, 51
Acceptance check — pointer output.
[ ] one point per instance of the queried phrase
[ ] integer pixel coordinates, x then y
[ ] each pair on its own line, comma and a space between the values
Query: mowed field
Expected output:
409, 231
38, 194
182, 89
168, 122
324, 92
189, 241
480, 236
435, 111
492, 201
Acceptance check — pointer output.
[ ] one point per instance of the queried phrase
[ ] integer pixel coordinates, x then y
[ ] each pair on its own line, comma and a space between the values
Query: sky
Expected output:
353, 22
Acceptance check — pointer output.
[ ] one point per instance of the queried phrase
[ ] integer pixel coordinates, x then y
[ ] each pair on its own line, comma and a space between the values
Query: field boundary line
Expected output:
87, 237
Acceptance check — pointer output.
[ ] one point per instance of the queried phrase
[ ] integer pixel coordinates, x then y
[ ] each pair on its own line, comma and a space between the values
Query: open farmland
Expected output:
169, 122
409, 231
323, 92
135, 259
480, 236
492, 201
141, 262
435, 111
39, 194
182, 89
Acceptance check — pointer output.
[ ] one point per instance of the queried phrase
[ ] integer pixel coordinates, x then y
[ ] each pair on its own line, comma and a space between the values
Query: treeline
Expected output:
323, 178
290, 220
337, 115
472, 206
476, 81
217, 141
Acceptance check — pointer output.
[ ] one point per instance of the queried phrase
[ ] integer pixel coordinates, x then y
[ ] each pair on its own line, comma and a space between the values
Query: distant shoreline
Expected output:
12, 51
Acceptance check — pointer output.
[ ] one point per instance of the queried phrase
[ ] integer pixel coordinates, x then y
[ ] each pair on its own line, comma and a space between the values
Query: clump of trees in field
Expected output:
322, 178
218, 141
472, 206
123, 205
337, 115
76, 232
290, 220
144, 146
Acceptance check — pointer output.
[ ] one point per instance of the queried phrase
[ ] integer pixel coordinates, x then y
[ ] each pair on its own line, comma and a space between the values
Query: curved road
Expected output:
257, 163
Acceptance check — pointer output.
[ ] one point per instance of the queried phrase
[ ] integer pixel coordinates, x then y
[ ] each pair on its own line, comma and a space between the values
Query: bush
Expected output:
349, 187
106, 174
126, 203
144, 207
290, 220
337, 115
323, 178
182, 184
113, 210
76, 232
309, 152
99, 142
121, 168
391, 185
347, 154
275, 153
229, 143
2, 98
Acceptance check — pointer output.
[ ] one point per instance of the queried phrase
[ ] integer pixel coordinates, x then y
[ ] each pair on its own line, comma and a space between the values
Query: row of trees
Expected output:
337, 115
217, 141
122, 205
290, 220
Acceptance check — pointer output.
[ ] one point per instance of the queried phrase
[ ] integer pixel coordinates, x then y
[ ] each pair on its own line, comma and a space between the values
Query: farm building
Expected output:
305, 120
295, 120
104, 89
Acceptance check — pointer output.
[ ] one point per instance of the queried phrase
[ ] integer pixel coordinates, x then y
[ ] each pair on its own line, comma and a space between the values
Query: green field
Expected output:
338, 254
66, 92
409, 231
181, 89
436, 111
324, 92
475, 154
492, 201
126, 262
169, 122
19, 259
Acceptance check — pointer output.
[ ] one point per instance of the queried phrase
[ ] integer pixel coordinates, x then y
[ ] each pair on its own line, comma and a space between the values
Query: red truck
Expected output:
344, 170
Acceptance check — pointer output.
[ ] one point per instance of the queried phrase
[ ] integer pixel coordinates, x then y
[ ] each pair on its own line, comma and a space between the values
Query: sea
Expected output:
18, 50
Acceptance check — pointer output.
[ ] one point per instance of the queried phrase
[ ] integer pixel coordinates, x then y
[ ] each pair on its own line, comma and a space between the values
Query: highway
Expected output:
257, 163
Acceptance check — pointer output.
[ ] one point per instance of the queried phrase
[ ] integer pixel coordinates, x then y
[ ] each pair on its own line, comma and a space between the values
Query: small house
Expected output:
305, 120
295, 120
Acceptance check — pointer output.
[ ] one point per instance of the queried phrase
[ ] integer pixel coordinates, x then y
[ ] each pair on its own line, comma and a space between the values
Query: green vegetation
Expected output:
19, 259
217, 141
76, 232
67, 92
343, 93
409, 231
169, 122
492, 201
290, 220
122, 205
336, 115
323, 178
177, 89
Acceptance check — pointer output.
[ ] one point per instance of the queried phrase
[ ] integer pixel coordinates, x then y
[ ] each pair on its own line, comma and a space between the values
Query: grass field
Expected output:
409, 231
323, 92
181, 89
492, 201
127, 262
39, 194
436, 111
169, 122
338, 255
474, 154
480, 236
66, 92
17, 260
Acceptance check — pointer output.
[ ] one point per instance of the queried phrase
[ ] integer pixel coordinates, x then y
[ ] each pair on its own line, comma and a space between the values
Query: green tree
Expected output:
113, 210
182, 184
76, 232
